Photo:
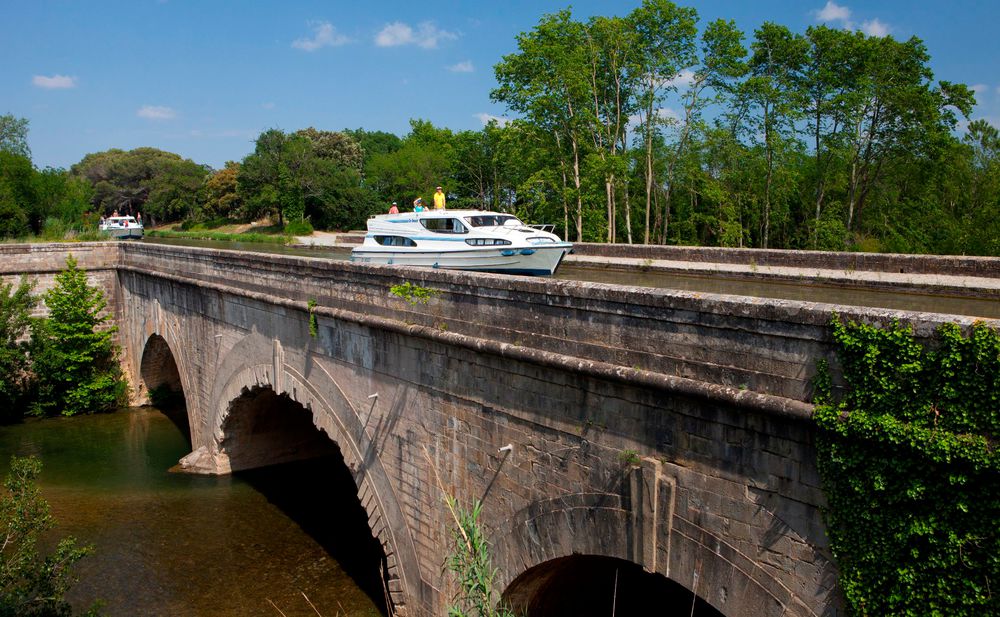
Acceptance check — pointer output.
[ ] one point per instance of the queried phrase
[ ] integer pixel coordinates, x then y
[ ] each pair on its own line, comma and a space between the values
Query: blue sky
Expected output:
203, 79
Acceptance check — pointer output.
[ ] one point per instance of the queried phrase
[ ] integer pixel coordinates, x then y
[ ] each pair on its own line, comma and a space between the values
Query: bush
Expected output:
30, 585
298, 228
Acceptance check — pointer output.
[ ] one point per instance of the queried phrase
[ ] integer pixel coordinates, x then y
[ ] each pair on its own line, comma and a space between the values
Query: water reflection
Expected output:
176, 544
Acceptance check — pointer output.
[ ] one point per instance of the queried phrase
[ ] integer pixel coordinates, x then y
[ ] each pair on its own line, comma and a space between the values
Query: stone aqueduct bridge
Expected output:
661, 428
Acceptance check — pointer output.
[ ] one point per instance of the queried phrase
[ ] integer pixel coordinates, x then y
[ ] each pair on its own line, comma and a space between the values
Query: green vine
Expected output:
413, 293
911, 471
313, 322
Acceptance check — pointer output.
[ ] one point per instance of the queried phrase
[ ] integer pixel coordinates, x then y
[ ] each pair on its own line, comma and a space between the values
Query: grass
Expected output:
221, 235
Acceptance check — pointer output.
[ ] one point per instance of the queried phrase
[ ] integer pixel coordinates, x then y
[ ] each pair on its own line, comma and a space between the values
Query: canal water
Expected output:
170, 544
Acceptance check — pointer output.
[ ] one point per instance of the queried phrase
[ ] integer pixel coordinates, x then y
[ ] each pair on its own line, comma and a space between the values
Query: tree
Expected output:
340, 148
667, 33
17, 194
14, 135
286, 177
773, 90
544, 83
31, 585
894, 112
161, 184
75, 360
220, 195
15, 317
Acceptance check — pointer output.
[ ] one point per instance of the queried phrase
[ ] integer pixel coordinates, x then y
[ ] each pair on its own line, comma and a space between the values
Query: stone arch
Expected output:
590, 585
158, 368
257, 363
609, 525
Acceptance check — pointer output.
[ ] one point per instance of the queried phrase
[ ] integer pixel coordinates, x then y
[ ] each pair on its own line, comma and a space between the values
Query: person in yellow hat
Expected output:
439, 199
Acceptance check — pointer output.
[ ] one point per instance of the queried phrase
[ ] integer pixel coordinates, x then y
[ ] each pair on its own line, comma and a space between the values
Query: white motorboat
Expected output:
122, 227
461, 240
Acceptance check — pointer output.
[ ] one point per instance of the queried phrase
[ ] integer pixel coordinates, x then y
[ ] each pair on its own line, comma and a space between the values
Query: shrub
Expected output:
298, 228
29, 584
75, 360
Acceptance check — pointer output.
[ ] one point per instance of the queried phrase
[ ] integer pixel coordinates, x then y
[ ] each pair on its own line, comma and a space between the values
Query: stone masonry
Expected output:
668, 429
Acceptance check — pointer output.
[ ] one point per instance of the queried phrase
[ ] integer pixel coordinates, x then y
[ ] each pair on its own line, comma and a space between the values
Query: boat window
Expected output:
444, 225
394, 241
487, 241
492, 220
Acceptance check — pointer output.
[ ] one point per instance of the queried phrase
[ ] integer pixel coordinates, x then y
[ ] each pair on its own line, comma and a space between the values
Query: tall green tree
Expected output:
17, 194
544, 82
773, 90
14, 135
163, 185
666, 34
220, 195
16, 305
895, 111
74, 358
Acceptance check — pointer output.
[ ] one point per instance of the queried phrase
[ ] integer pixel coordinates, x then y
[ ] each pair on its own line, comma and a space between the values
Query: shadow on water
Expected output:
319, 495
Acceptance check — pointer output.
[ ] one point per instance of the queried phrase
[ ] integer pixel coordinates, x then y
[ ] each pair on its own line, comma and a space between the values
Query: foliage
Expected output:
162, 185
470, 562
911, 471
298, 228
220, 197
218, 235
413, 293
313, 323
74, 358
309, 175
15, 317
14, 135
29, 584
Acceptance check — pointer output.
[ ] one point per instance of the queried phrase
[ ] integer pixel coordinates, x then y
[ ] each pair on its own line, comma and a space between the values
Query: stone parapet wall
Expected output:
951, 265
42, 262
739, 345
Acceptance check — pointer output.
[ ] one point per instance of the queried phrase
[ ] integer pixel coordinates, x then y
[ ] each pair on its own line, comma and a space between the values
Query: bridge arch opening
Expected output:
159, 374
592, 585
272, 443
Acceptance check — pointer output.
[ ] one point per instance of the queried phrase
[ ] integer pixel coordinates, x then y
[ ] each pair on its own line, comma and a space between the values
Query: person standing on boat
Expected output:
439, 199
418, 204
394, 209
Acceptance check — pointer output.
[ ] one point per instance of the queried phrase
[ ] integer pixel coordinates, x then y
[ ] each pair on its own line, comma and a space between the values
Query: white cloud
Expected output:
462, 67
55, 82
267, 105
875, 27
426, 35
683, 79
156, 112
833, 12
979, 88
665, 115
324, 35
486, 118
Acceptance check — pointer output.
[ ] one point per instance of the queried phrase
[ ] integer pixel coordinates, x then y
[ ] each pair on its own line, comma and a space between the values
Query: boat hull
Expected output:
124, 233
535, 260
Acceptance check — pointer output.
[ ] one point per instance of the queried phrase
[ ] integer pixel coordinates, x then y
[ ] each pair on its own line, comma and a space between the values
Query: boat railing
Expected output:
545, 227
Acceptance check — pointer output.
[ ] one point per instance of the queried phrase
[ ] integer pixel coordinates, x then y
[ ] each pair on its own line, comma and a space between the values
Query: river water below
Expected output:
176, 544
